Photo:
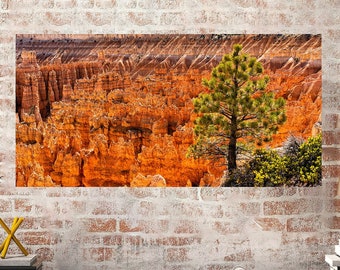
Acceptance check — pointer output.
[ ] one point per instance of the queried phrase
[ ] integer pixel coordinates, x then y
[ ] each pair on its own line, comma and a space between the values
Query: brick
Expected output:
269, 224
58, 18
334, 223
305, 224
74, 206
176, 255
330, 153
100, 225
5, 205
38, 238
4, 4
23, 205
92, 240
160, 4
46, 254
171, 18
336, 205
250, 208
180, 193
258, 193
331, 137
330, 123
176, 241
142, 192
294, 207
301, 238
6, 89
113, 240
65, 4
240, 256
158, 226
142, 18
98, 254
63, 192
186, 209
106, 4
330, 171
103, 208
332, 120
119, 240
99, 18
212, 194
225, 227
186, 226
127, 4
48, 4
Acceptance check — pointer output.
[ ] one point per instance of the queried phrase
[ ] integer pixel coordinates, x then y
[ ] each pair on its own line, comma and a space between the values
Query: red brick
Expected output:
106, 4
298, 206
298, 238
187, 209
330, 188
330, 153
78, 207
113, 240
6, 103
100, 224
65, 4
98, 254
176, 241
158, 226
269, 224
63, 192
22, 205
46, 254
334, 223
330, 137
141, 192
5, 205
98, 18
180, 193
240, 256
336, 204
38, 238
305, 224
186, 226
217, 212
176, 255
92, 239
141, 18
225, 227
331, 121
330, 171
146, 208
250, 208
48, 223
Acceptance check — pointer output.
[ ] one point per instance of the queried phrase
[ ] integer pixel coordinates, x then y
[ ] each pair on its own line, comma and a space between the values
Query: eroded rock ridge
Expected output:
117, 110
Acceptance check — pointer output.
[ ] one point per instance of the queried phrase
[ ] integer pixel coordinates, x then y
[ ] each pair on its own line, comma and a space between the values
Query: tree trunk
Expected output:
232, 146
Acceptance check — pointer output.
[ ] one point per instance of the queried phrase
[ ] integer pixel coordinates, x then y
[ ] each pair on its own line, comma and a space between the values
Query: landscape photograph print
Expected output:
165, 110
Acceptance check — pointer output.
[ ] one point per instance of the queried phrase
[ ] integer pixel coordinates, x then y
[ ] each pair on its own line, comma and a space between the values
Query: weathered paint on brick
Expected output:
178, 228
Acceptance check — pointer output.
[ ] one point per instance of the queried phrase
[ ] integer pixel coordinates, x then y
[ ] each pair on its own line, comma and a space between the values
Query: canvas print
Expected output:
209, 110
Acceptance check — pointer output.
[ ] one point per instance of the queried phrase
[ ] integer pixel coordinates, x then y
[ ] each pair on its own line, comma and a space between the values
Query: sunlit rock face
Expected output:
117, 110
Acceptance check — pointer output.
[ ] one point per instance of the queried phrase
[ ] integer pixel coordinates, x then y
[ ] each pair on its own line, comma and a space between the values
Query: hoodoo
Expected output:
118, 111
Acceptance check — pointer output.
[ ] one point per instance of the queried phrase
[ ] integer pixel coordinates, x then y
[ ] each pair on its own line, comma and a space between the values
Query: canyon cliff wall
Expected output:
117, 110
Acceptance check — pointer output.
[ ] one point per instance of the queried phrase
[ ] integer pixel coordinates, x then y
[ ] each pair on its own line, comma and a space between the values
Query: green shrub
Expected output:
298, 165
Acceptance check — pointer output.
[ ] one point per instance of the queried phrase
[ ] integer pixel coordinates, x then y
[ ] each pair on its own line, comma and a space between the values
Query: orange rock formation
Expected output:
117, 111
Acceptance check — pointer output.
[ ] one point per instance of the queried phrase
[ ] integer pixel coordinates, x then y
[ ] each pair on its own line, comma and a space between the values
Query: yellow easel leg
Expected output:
8, 239
4, 246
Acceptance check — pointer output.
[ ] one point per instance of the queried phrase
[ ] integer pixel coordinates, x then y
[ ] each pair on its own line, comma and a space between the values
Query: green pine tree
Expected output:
236, 105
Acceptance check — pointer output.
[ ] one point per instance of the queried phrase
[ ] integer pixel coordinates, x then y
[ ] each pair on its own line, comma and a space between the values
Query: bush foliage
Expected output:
298, 164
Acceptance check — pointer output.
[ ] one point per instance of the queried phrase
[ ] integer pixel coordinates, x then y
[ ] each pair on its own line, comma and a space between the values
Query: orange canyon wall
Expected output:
117, 110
